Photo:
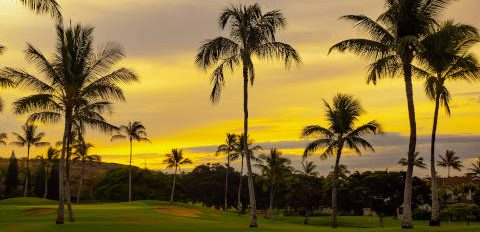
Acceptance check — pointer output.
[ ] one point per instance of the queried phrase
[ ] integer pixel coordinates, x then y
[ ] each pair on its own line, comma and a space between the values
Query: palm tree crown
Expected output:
133, 131
252, 33
475, 169
419, 161
450, 160
30, 137
175, 159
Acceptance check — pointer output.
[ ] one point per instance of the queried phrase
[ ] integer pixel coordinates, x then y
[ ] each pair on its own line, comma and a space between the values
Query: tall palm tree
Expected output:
52, 155
227, 148
419, 162
239, 154
446, 57
175, 160
450, 160
133, 131
475, 169
341, 132
81, 156
274, 167
29, 138
393, 44
77, 75
252, 34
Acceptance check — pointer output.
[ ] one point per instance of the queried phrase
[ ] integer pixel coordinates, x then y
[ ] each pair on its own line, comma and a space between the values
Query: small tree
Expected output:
11, 181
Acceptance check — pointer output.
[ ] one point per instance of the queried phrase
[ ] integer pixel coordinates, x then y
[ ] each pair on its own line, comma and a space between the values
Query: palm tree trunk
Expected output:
251, 188
269, 214
435, 218
239, 195
27, 173
61, 197
68, 188
448, 172
45, 185
82, 174
334, 187
130, 174
173, 185
407, 196
226, 183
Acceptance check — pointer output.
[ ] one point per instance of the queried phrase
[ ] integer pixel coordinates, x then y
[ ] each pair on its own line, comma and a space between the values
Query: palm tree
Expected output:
78, 75
341, 117
52, 155
308, 168
475, 170
133, 131
44, 7
81, 156
446, 57
393, 44
253, 33
175, 160
274, 168
419, 162
29, 138
3, 138
451, 160
227, 148
238, 154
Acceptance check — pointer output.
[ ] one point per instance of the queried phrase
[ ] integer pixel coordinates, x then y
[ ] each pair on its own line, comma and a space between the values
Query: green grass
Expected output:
31, 214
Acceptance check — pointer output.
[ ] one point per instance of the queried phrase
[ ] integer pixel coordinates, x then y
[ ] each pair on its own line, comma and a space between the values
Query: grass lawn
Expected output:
32, 214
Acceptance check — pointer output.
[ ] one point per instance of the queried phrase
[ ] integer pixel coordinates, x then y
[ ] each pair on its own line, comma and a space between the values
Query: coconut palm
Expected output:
238, 154
446, 57
252, 34
450, 160
475, 169
227, 148
308, 168
275, 168
3, 138
419, 162
29, 138
341, 132
134, 132
393, 44
175, 160
77, 75
81, 156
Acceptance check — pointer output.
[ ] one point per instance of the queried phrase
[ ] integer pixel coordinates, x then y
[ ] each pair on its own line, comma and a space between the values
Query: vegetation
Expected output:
29, 138
133, 131
252, 34
419, 163
341, 132
11, 180
175, 160
450, 160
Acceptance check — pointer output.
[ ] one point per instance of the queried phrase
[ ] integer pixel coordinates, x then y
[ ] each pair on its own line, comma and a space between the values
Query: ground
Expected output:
33, 214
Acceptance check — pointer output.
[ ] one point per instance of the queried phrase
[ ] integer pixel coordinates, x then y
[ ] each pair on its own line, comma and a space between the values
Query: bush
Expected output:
462, 212
421, 214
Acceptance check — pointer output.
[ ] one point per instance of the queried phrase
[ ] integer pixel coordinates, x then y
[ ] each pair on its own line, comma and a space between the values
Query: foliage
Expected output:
11, 180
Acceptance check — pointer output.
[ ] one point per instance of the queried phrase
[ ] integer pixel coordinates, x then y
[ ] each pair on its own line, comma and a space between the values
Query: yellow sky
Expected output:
161, 38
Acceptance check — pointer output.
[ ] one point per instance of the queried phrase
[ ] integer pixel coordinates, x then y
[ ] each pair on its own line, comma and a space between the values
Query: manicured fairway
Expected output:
30, 214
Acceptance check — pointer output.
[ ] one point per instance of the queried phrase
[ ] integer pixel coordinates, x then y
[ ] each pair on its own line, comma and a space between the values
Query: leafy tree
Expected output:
11, 180
239, 154
133, 131
77, 75
175, 160
393, 44
419, 162
275, 168
342, 116
29, 138
252, 33
227, 148
451, 160
81, 156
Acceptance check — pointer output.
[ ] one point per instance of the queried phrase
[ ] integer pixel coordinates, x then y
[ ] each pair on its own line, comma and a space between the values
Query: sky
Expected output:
161, 38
